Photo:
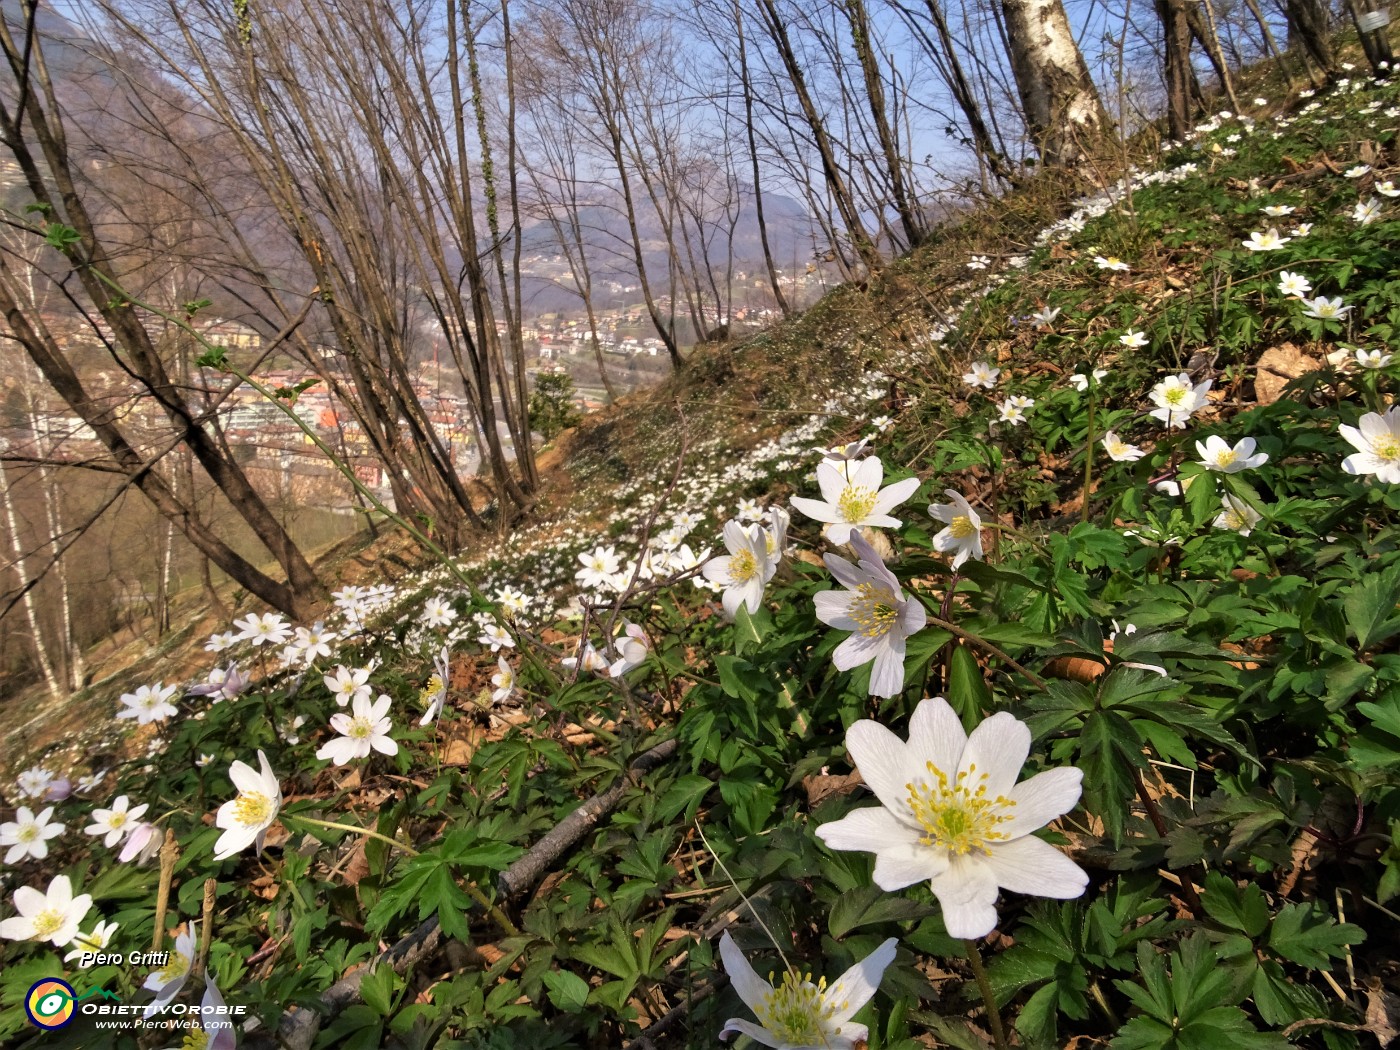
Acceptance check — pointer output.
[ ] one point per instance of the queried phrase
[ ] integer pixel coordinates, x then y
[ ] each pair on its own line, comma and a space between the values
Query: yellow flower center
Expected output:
431, 690
796, 1012
176, 968
116, 820
958, 817
961, 527
1235, 520
856, 502
360, 728
47, 923
88, 942
195, 1039
1118, 448
1174, 395
253, 808
873, 610
27, 832
1225, 458
743, 567
1386, 448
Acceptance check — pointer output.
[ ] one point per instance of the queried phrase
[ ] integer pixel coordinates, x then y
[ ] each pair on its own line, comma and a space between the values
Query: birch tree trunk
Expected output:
1063, 111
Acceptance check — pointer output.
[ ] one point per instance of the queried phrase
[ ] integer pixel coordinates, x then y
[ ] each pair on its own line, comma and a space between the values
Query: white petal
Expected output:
868, 830
868, 473
899, 866
1032, 866
755, 1032
895, 495
998, 747
814, 509
967, 892
834, 609
935, 735
60, 893
858, 985
846, 574
854, 651
880, 757
244, 778
1044, 797
749, 986
887, 676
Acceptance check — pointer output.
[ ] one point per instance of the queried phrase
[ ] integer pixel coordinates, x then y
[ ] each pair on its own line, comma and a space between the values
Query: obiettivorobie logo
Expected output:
52, 1002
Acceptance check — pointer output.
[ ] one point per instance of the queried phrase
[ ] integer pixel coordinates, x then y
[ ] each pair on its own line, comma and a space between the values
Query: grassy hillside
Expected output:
1127, 507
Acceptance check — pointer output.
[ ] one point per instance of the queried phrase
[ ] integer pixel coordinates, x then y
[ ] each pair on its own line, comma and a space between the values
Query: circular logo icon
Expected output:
49, 1003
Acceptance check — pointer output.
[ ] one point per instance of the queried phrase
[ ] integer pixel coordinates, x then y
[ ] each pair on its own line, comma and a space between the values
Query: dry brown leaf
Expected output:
821, 787
1276, 367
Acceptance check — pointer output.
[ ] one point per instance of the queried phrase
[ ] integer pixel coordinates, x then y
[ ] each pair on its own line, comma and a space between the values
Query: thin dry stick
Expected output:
169, 854
206, 929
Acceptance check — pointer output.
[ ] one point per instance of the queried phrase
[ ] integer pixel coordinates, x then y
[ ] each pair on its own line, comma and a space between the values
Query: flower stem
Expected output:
473, 891
974, 956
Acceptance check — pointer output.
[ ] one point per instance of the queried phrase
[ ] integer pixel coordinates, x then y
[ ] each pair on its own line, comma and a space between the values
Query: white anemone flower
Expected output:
438, 612
1177, 400
1010, 412
1366, 212
211, 1029
116, 823
1236, 515
267, 629
28, 835
963, 532
142, 844
744, 571
853, 499
315, 642
1265, 241
1119, 450
150, 703
503, 680
1388, 188
92, 943
348, 684
1110, 262
876, 611
1277, 211
53, 915
980, 373
33, 782
1376, 439
435, 692
1080, 381
1217, 454
589, 659
632, 647
219, 641
245, 819
951, 812
1372, 358
1325, 309
170, 978
1293, 284
600, 566
798, 1014
1133, 338
1046, 315
497, 637
364, 729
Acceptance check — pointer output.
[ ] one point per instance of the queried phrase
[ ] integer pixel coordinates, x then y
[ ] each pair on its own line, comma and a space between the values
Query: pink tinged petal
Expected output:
847, 575
881, 758
757, 1033
834, 609
1044, 797
998, 747
935, 736
858, 985
1034, 867
896, 494
967, 892
750, 987
814, 509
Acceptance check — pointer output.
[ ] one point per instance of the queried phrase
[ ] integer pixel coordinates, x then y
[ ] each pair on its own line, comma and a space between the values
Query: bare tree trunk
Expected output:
1176, 51
31, 611
1308, 26
1058, 99
841, 198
